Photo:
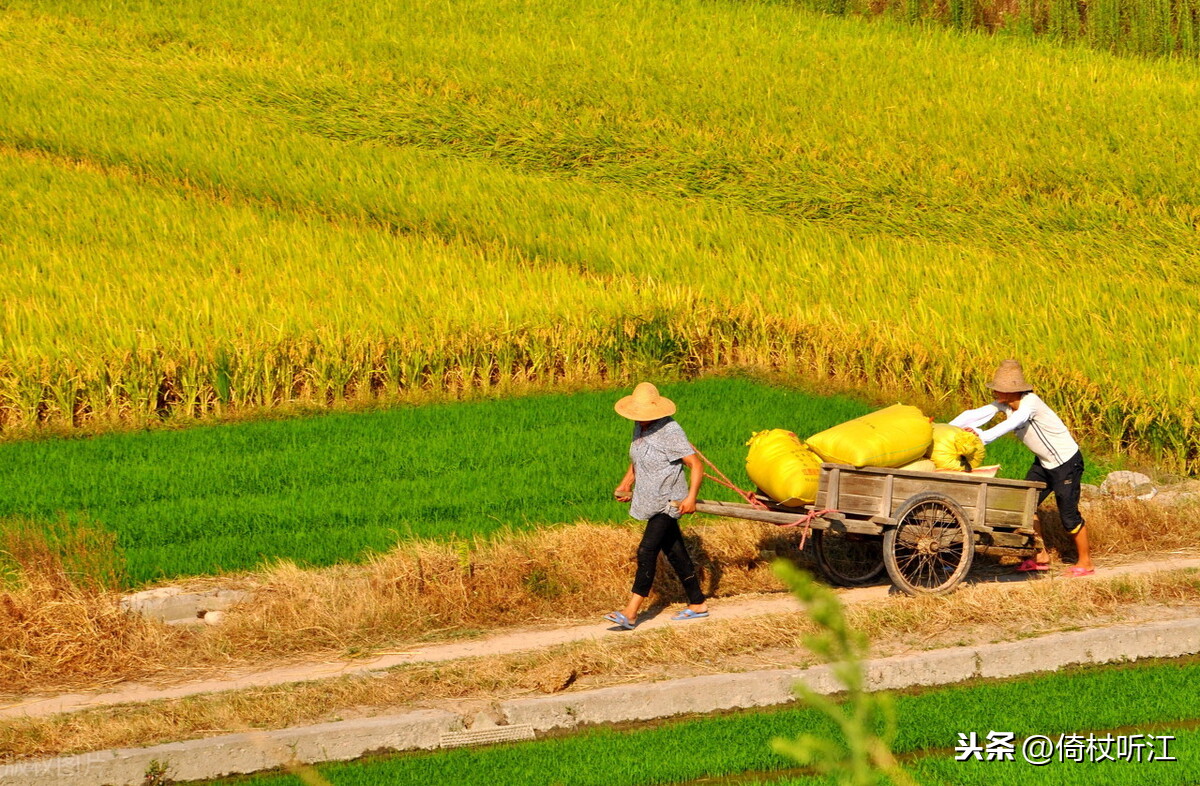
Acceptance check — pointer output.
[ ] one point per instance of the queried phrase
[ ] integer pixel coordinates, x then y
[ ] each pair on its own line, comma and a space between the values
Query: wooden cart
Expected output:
923, 528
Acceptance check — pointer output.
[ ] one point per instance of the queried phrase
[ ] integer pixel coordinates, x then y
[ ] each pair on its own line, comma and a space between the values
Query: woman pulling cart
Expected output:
653, 484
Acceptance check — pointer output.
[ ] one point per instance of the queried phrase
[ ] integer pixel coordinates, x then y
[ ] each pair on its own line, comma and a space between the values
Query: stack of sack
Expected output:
788, 470
891, 437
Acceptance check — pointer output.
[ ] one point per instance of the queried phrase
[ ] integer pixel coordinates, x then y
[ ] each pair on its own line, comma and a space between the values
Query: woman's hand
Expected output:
624, 490
696, 471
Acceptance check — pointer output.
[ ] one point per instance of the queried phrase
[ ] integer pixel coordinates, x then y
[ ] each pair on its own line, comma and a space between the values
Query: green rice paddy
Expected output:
333, 487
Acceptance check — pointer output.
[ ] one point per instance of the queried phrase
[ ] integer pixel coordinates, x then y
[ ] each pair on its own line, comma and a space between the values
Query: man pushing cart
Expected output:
1057, 461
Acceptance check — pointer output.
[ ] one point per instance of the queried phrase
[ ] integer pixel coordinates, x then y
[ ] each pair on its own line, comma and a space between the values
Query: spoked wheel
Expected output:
931, 547
848, 560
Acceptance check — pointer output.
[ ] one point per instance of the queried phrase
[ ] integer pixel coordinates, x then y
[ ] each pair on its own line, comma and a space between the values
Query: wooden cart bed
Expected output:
922, 527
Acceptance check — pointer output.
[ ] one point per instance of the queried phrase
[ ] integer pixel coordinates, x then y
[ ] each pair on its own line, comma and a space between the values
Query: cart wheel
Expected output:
931, 547
848, 560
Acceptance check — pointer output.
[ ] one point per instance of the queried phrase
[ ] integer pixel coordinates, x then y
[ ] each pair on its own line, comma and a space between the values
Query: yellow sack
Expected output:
921, 465
952, 446
890, 437
783, 468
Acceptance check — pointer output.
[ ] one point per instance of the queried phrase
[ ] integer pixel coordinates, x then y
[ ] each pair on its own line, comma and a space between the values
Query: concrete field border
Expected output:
248, 752
501, 642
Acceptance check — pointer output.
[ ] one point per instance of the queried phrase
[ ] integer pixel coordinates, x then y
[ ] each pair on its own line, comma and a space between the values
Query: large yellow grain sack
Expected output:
783, 468
890, 437
953, 448
920, 465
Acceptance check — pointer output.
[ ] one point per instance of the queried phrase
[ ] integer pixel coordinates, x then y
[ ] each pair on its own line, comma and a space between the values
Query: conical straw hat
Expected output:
645, 404
1010, 379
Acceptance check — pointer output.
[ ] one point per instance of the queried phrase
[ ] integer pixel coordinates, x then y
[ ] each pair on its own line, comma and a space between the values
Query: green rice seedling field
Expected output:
1158, 699
330, 488
229, 205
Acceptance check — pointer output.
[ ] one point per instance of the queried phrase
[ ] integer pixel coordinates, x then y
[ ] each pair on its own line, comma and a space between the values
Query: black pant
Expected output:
1063, 482
663, 534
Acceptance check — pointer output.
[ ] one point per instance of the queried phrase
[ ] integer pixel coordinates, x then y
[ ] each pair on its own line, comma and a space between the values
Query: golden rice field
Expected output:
224, 206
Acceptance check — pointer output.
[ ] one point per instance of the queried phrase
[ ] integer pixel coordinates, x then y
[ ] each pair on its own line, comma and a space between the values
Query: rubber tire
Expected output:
832, 573
893, 540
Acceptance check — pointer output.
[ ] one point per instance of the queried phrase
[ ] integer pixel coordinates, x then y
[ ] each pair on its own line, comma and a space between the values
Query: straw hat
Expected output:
645, 404
1010, 379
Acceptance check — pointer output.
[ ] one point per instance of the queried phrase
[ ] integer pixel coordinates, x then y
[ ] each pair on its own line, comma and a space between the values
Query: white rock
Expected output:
214, 617
1172, 498
1124, 483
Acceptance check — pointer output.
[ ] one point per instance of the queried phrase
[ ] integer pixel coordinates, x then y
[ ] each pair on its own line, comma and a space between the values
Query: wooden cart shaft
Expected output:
834, 520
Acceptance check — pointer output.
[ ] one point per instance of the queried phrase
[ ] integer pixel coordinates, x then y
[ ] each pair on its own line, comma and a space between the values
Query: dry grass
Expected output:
64, 616
972, 614
1127, 528
56, 635
1026, 607
426, 590
60, 633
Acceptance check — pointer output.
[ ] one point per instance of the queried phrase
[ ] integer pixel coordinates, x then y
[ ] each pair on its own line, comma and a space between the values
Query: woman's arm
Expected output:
624, 490
696, 476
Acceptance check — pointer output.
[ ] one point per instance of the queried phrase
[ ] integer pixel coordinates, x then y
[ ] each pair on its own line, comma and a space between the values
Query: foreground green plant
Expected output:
863, 756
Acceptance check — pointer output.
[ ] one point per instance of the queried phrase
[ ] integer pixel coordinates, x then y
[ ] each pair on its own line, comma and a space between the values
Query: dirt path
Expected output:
511, 641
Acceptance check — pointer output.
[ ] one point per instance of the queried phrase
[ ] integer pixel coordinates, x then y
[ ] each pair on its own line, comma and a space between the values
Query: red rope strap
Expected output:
722, 480
807, 520
754, 501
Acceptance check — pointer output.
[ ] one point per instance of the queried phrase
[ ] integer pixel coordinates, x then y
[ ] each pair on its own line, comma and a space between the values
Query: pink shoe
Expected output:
1031, 564
1077, 571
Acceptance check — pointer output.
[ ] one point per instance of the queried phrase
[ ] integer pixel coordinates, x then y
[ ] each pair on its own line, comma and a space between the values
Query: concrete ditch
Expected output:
174, 606
426, 729
936, 667
245, 752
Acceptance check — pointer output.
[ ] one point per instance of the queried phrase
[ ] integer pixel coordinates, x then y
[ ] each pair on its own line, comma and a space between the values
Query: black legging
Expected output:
663, 534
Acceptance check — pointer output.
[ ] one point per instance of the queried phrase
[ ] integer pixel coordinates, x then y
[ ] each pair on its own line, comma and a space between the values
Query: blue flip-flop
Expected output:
619, 618
688, 614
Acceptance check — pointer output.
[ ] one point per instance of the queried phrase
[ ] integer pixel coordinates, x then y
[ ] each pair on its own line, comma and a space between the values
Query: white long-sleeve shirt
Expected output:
1032, 422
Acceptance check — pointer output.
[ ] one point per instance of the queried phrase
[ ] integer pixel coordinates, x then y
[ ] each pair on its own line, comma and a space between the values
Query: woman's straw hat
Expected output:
645, 404
1010, 379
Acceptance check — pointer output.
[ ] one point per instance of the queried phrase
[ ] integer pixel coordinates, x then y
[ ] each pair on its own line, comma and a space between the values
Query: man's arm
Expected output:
1017, 418
974, 418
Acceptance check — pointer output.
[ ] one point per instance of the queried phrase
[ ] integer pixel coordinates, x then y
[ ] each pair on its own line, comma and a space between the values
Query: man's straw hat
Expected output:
645, 404
1010, 379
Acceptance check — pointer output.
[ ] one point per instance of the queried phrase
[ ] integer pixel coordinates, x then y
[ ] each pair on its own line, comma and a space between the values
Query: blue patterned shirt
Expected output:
657, 454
